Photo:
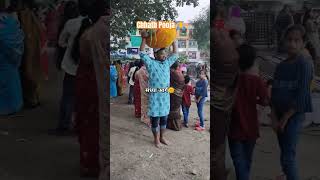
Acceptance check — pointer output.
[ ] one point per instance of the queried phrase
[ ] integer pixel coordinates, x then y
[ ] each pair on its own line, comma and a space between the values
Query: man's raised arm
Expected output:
143, 55
174, 47
143, 44
144, 40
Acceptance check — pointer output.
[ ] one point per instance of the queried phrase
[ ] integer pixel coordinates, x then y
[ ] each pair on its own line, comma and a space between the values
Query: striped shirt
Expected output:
291, 86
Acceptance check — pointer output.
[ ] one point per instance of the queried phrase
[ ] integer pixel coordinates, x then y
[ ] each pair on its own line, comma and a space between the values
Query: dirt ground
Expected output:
27, 152
134, 157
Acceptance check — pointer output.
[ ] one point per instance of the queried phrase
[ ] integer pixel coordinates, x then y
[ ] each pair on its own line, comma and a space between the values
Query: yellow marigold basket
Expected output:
161, 38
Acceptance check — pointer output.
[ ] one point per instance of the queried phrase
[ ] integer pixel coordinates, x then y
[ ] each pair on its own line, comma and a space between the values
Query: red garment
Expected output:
44, 55
186, 97
124, 81
137, 98
52, 22
252, 90
126, 69
87, 115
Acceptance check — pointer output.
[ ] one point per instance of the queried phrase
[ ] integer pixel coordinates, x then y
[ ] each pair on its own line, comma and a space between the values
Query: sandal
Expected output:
199, 128
197, 124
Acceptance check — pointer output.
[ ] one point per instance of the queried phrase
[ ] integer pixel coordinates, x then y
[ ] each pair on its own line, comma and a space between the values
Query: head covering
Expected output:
235, 11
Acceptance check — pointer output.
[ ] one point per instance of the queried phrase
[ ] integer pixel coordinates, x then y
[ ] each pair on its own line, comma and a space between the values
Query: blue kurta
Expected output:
159, 77
113, 81
11, 51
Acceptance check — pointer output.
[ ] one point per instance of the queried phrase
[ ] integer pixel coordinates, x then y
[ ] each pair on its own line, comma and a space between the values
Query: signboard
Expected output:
133, 51
135, 41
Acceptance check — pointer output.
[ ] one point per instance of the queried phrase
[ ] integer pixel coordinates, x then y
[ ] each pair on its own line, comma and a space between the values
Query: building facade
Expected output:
187, 46
133, 42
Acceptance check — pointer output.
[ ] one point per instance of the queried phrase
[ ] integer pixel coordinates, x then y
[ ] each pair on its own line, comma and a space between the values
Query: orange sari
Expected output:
120, 79
31, 72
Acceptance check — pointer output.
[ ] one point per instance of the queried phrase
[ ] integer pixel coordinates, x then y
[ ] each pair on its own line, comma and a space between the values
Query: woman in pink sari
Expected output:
143, 77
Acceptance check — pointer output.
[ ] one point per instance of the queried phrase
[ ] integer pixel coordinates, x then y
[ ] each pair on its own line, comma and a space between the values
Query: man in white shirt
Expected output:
131, 81
69, 66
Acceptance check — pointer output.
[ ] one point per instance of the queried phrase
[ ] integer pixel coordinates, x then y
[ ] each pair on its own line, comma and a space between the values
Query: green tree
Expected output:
125, 13
201, 32
183, 58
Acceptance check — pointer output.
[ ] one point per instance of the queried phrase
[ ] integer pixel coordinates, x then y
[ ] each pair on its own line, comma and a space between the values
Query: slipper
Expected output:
197, 124
199, 129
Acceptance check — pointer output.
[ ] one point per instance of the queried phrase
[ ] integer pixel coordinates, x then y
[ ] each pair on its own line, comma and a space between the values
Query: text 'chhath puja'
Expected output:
155, 25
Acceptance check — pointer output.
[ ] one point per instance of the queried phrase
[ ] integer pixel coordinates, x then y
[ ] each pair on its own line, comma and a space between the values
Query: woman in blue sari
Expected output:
113, 81
11, 45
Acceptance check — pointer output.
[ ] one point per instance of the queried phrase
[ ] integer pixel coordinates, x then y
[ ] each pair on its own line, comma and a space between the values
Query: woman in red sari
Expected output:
124, 79
44, 55
137, 93
137, 97
91, 104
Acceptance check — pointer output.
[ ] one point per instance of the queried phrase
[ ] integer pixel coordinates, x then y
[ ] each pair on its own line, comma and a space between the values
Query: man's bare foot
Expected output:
163, 141
156, 139
157, 145
157, 142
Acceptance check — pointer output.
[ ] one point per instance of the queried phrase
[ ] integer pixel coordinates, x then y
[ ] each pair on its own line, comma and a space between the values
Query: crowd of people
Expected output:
24, 62
78, 31
238, 89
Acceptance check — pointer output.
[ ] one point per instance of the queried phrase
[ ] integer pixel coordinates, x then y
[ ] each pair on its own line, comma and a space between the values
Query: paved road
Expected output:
27, 152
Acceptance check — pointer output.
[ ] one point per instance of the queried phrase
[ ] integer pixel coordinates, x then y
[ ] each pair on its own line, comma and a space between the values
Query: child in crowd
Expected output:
291, 98
159, 77
244, 127
201, 92
186, 100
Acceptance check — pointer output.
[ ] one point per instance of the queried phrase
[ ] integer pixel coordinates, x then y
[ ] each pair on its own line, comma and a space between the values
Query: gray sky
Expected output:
188, 13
